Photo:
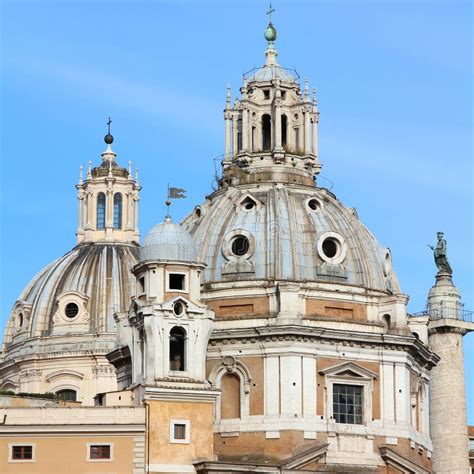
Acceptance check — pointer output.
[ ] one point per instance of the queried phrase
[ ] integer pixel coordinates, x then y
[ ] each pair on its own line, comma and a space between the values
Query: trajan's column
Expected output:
447, 325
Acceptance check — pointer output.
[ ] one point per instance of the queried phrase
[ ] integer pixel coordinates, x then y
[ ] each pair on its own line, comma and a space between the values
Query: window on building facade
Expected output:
118, 211
347, 404
176, 281
67, 395
101, 211
177, 349
230, 396
180, 431
99, 451
22, 453
266, 132
284, 122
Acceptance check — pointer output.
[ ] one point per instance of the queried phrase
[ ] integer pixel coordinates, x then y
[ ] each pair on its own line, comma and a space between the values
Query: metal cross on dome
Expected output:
108, 125
270, 11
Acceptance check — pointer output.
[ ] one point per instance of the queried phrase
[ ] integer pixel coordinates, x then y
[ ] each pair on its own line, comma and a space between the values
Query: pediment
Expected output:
245, 200
190, 306
68, 373
349, 369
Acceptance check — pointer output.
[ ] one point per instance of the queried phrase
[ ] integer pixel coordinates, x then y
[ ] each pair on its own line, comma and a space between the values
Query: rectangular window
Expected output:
179, 431
176, 281
347, 404
99, 451
21, 453
266, 94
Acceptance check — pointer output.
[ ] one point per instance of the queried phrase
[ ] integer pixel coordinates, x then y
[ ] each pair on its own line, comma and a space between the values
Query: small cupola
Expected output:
168, 264
273, 122
108, 200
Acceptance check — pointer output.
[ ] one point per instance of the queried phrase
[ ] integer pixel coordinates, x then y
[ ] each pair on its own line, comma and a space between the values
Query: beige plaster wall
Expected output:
200, 416
68, 454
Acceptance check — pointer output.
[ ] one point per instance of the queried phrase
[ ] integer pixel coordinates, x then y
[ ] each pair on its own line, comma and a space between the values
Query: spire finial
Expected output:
306, 89
80, 174
270, 33
109, 139
228, 96
89, 169
269, 13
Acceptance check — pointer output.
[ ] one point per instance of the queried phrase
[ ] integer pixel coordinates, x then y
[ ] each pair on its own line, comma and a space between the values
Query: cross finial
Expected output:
108, 125
270, 11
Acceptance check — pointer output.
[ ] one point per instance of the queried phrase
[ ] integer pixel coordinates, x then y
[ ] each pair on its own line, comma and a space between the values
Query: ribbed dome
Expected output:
292, 232
168, 241
98, 272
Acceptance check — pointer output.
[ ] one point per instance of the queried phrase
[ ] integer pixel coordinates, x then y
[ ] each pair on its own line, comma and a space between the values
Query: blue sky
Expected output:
395, 97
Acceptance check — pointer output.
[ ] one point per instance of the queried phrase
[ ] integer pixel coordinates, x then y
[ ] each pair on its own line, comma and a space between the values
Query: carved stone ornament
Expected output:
71, 300
27, 374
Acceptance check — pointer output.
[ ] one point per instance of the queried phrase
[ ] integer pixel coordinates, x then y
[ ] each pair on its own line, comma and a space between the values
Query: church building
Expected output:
266, 332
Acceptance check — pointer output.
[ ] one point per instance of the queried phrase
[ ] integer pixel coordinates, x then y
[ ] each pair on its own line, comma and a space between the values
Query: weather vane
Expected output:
173, 193
270, 11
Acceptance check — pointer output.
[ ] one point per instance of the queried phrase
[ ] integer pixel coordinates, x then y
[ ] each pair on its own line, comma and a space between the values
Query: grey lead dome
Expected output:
168, 241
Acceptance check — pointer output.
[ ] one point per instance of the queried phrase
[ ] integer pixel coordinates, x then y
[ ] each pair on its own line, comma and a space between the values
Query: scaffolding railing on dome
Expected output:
274, 73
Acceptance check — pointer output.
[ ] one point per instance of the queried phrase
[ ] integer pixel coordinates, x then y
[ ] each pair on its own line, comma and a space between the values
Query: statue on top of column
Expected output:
440, 255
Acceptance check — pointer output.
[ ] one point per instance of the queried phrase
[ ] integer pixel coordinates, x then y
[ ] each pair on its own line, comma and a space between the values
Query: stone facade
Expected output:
265, 333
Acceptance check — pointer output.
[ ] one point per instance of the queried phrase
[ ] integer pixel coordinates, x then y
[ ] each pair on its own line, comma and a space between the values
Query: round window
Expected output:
248, 204
330, 247
178, 308
314, 205
240, 245
72, 310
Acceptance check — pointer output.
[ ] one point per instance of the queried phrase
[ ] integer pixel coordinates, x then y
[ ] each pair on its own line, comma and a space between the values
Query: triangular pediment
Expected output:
247, 202
349, 369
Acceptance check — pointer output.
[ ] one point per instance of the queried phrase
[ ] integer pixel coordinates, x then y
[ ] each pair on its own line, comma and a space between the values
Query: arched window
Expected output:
178, 349
118, 211
100, 211
230, 396
67, 395
266, 132
284, 122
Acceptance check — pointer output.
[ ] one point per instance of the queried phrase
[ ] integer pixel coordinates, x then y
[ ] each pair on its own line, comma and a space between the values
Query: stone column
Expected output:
88, 210
235, 120
307, 133
278, 146
448, 421
227, 135
135, 217
315, 135
245, 128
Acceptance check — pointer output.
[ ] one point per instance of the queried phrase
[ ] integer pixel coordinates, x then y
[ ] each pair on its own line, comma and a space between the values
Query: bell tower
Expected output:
271, 131
167, 331
108, 200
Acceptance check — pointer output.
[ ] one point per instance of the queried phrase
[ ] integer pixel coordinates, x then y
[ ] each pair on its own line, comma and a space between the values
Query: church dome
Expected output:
168, 241
287, 232
77, 293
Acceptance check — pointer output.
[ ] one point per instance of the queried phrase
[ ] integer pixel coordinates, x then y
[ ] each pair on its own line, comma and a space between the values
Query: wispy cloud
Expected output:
160, 99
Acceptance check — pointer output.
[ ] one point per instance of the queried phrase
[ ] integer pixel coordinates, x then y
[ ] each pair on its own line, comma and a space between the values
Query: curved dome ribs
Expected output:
287, 232
98, 272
